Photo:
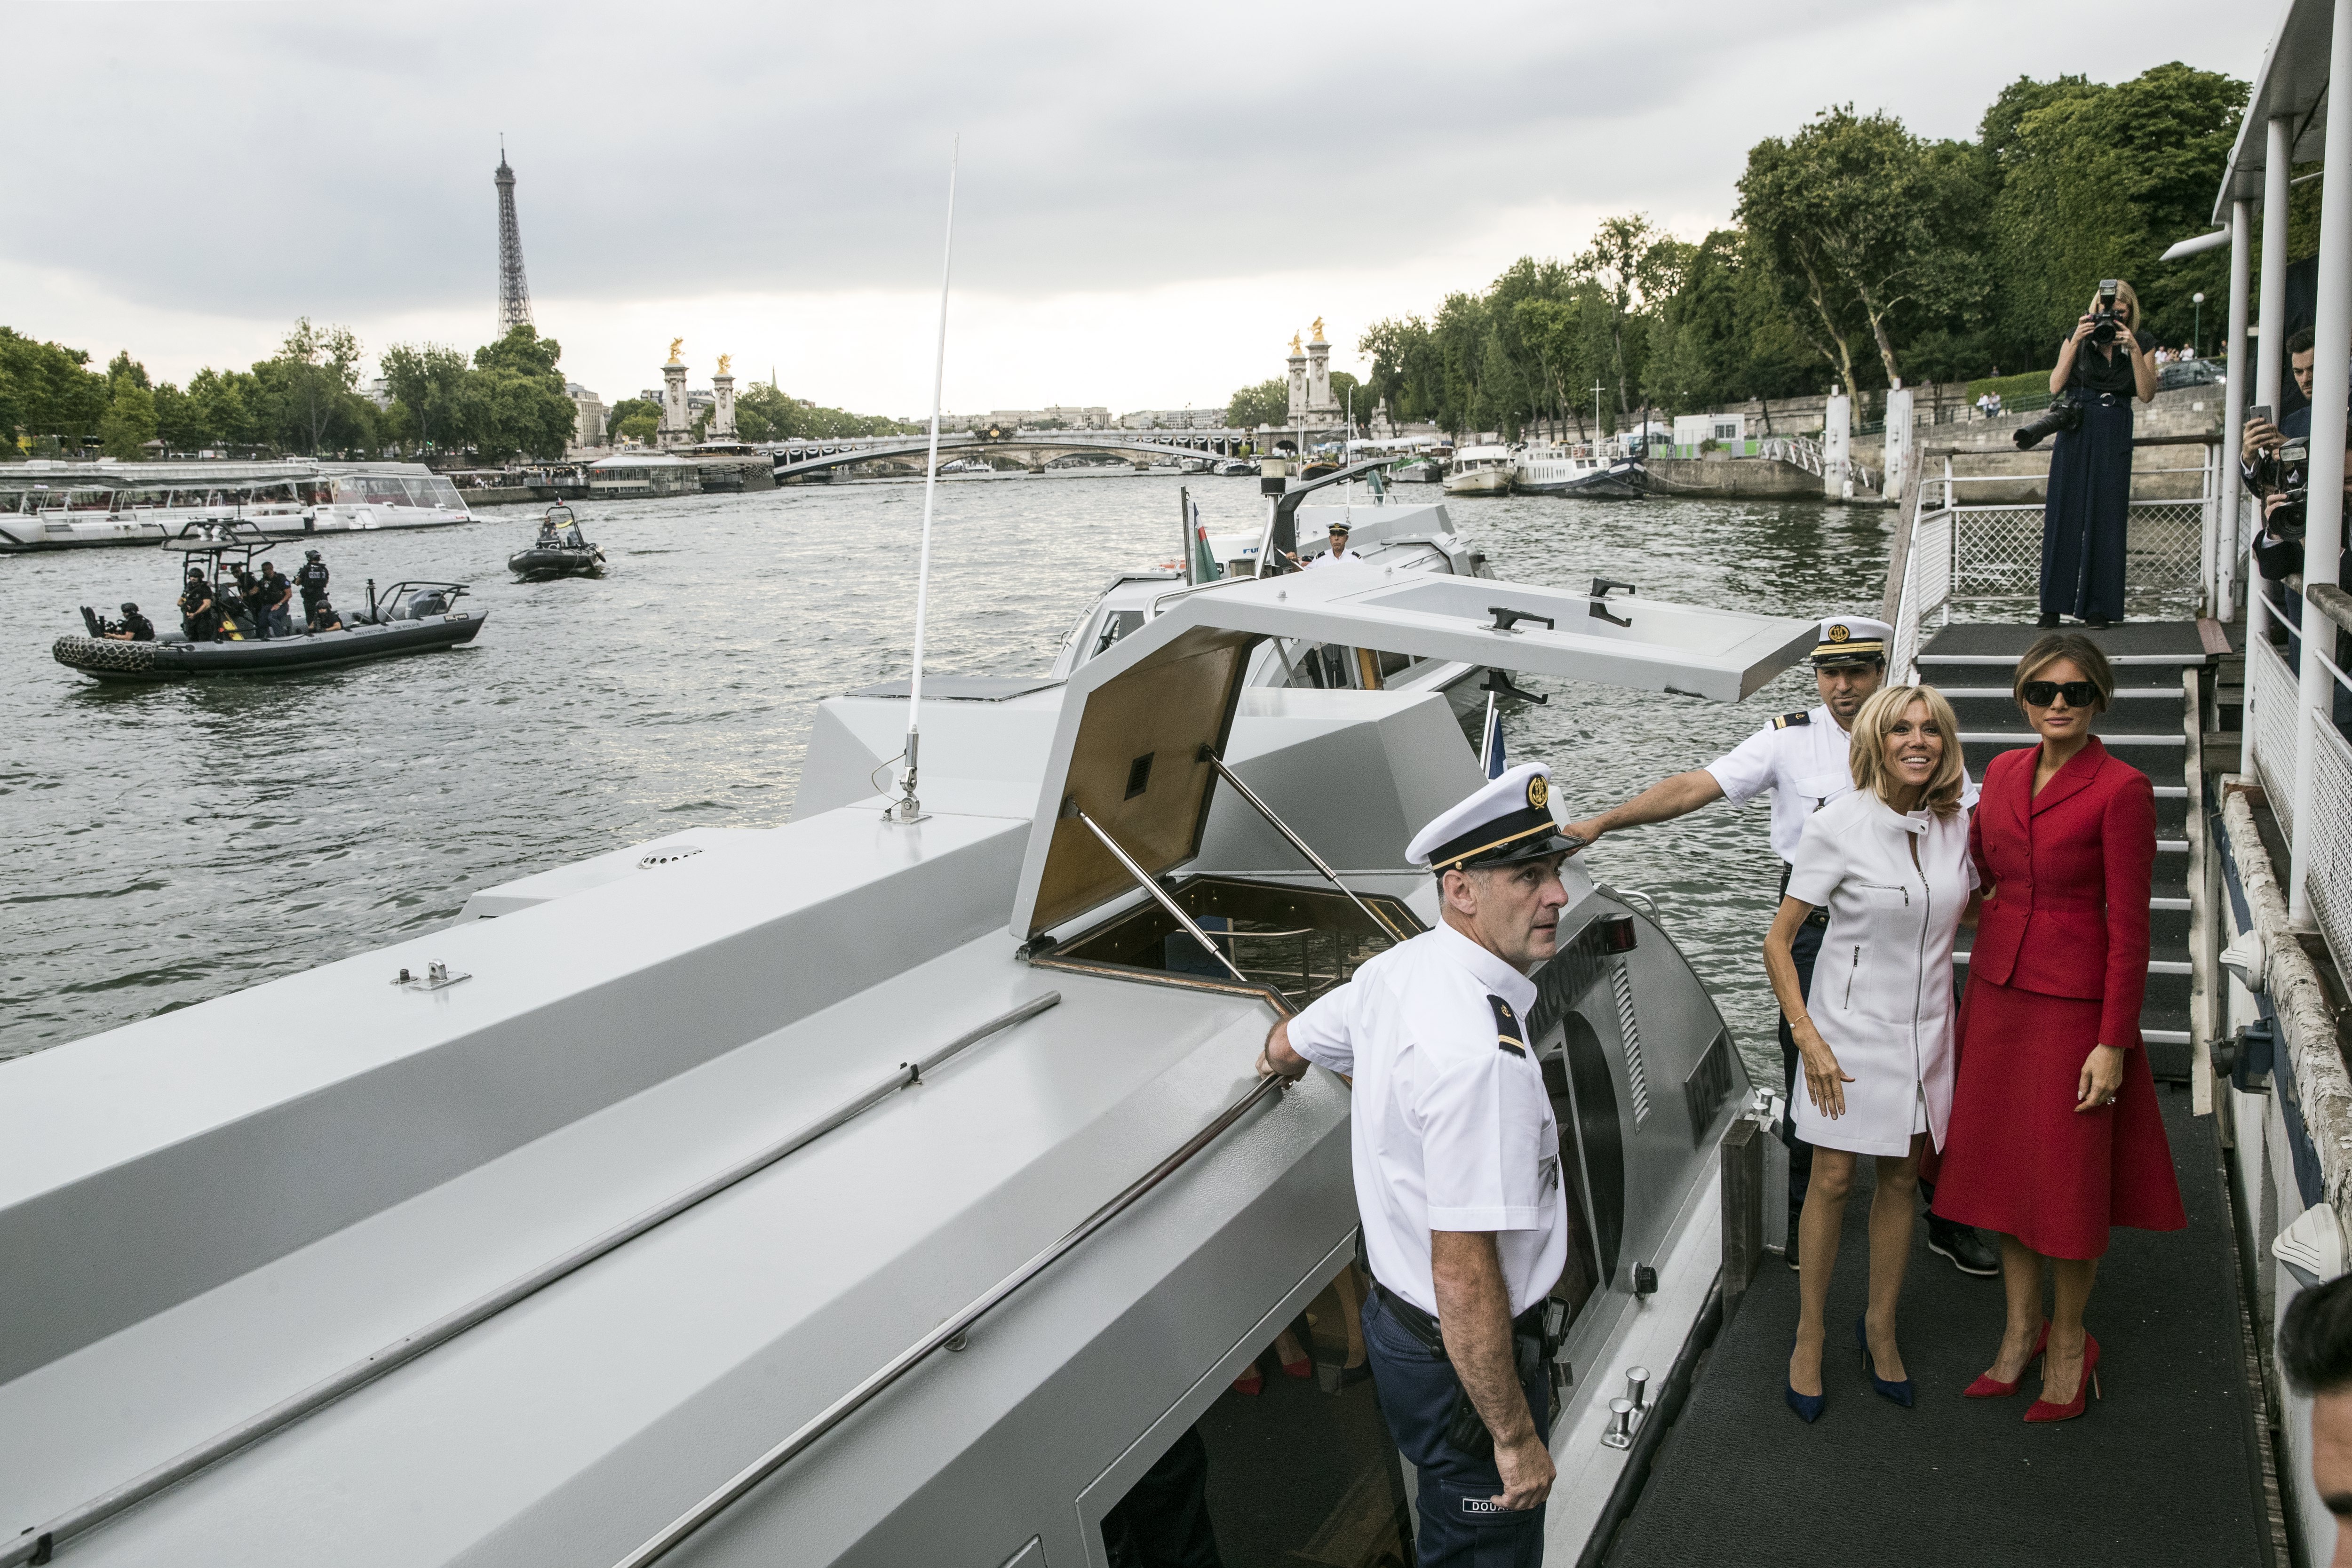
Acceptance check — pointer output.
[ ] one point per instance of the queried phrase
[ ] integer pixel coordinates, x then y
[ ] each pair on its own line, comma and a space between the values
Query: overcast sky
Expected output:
1152, 200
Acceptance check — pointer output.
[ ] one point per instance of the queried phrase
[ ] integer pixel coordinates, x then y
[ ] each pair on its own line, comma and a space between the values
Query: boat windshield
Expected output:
397, 489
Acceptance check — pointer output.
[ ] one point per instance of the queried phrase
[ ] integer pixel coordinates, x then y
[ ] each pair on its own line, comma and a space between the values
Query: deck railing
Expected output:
2279, 725
1984, 556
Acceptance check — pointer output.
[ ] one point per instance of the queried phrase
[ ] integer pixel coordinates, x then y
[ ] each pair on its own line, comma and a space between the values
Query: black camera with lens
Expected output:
2285, 470
2065, 415
2105, 320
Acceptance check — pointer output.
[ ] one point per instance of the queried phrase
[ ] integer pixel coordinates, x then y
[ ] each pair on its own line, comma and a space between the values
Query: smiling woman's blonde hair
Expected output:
2126, 300
1867, 758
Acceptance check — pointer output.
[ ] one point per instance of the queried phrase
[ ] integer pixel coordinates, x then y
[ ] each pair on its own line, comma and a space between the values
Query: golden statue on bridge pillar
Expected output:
1318, 330
1294, 343
724, 361
675, 344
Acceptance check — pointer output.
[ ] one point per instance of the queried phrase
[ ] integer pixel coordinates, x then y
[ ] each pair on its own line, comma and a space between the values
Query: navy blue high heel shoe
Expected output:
1808, 1406
1901, 1393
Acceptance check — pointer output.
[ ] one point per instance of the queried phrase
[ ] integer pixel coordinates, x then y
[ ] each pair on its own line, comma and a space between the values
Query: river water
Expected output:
167, 844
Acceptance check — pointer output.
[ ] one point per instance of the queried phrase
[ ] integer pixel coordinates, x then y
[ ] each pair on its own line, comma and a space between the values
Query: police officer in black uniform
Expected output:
277, 593
311, 579
134, 626
248, 604
199, 615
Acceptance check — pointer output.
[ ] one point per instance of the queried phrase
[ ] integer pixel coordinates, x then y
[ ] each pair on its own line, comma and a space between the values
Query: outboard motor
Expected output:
425, 602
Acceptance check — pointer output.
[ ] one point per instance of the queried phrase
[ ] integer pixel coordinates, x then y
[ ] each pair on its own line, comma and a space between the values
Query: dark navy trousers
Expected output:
1460, 1525
1804, 947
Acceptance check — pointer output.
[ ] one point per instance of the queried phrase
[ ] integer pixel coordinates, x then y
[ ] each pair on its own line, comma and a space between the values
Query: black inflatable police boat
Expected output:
558, 551
411, 616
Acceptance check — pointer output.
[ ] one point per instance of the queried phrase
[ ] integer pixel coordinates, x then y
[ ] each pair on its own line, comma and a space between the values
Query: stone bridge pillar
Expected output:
1837, 434
722, 410
676, 425
1901, 440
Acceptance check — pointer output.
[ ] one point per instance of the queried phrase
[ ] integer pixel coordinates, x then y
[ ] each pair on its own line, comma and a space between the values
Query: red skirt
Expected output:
2021, 1160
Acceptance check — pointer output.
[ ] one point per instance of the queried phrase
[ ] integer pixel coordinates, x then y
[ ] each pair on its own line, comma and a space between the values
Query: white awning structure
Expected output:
2292, 83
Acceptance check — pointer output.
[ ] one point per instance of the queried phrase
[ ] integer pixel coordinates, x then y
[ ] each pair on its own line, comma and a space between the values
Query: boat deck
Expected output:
2168, 1468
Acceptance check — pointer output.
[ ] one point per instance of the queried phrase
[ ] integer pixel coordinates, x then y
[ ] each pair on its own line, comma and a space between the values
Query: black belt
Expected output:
1422, 1326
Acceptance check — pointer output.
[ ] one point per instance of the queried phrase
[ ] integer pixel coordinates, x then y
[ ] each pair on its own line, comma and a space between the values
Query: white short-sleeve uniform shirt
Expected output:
1882, 996
1805, 765
1331, 558
1453, 1129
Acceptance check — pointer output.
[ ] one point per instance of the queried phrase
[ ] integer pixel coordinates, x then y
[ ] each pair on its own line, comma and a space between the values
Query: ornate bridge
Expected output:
793, 458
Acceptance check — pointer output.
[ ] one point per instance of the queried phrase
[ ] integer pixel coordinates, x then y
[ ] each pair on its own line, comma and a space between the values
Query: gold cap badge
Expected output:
1839, 633
1538, 791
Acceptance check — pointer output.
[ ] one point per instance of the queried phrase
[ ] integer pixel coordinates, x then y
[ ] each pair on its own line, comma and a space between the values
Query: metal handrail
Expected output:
37, 1544
679, 1530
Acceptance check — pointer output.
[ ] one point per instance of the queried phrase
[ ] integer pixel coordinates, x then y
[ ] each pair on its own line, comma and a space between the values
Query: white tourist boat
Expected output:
1597, 472
71, 506
1481, 472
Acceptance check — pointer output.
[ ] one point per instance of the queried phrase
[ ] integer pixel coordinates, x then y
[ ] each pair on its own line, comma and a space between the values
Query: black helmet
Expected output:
310, 555
129, 609
196, 574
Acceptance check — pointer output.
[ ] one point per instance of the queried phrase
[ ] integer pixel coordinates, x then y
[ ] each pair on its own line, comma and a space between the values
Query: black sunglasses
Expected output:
2042, 693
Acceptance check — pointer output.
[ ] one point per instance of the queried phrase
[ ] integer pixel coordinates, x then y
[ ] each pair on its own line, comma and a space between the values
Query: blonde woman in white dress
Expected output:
1891, 863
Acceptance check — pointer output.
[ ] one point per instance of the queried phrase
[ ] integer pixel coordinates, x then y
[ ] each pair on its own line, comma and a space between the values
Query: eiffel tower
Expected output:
514, 293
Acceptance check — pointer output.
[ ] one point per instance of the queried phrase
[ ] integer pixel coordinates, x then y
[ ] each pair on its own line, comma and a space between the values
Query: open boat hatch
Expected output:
1138, 751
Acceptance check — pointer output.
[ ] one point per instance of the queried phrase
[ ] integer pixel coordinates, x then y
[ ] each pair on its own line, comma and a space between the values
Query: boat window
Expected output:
434, 490
1117, 624
1302, 1471
1393, 664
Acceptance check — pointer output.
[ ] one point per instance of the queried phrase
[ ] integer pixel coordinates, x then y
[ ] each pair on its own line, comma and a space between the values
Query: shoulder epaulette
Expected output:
1507, 1034
1785, 720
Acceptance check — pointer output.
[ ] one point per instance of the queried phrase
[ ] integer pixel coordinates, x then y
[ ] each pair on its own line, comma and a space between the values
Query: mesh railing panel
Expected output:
2271, 715
1998, 556
2328, 841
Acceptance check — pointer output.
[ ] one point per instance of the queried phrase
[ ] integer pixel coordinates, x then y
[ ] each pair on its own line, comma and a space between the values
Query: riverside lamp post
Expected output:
2197, 326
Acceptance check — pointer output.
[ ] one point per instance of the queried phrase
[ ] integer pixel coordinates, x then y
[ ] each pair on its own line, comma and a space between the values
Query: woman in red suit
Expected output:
2055, 1135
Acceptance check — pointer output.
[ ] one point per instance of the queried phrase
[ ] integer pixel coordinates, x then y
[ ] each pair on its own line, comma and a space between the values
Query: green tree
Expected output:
1405, 369
312, 374
633, 414
128, 423
1267, 403
426, 382
46, 389
1860, 222
2097, 182
175, 420
1633, 264
513, 400
221, 408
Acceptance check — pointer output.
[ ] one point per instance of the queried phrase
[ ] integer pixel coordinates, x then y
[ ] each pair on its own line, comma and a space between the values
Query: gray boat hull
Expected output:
152, 662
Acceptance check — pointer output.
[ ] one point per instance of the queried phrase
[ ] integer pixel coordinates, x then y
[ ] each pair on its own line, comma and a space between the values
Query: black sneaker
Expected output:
2049, 618
1967, 1252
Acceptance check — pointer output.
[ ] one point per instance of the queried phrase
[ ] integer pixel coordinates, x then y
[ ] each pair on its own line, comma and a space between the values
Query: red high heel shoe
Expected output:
2043, 1410
1990, 1387
1251, 1380
1303, 1367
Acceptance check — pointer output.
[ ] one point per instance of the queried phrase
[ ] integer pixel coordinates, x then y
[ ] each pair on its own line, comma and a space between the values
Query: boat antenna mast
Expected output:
908, 808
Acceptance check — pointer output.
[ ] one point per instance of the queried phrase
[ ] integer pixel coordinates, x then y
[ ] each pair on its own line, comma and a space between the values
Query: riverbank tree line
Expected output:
505, 401
1859, 253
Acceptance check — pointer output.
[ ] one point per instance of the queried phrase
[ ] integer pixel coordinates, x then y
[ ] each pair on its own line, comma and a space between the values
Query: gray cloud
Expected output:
262, 160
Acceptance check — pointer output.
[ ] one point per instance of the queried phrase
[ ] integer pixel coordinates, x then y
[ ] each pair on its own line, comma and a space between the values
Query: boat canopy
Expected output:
1139, 725
2292, 84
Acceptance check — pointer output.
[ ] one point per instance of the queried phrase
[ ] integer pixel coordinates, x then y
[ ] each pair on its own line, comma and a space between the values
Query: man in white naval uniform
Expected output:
1801, 758
1338, 554
1456, 1161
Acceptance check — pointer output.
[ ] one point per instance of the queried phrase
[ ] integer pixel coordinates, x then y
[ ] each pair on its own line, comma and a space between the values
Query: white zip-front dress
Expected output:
1883, 994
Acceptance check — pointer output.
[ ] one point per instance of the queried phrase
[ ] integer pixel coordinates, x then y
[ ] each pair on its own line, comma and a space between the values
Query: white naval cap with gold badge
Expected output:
1851, 639
1507, 819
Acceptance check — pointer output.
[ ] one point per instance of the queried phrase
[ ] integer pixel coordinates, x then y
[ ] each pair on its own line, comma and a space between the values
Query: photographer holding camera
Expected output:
2280, 475
2102, 365
2261, 436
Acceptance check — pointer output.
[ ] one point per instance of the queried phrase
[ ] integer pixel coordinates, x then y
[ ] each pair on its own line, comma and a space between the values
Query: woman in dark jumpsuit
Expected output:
2086, 521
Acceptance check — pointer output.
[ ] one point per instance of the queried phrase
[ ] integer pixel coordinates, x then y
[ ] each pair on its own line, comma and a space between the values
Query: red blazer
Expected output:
2066, 879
